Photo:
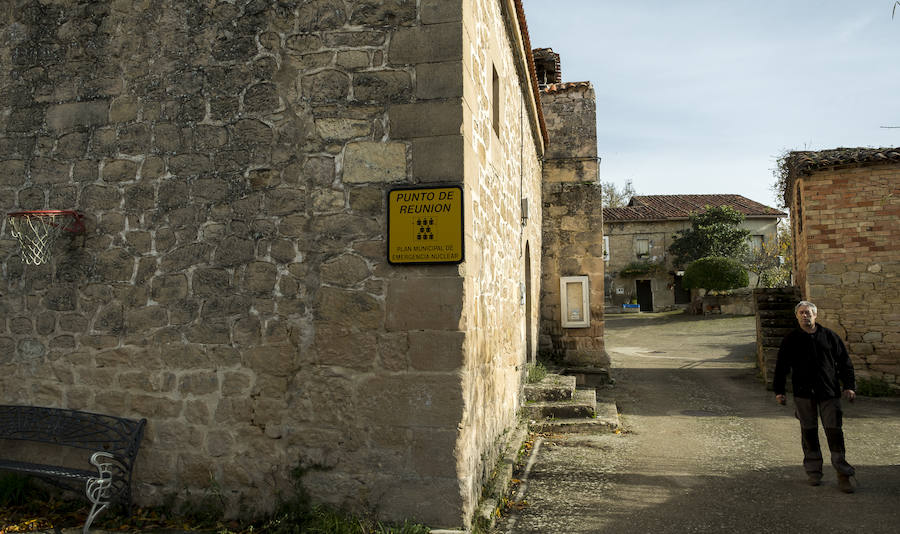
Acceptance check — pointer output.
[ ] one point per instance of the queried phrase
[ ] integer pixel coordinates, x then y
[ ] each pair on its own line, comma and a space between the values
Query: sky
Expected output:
702, 97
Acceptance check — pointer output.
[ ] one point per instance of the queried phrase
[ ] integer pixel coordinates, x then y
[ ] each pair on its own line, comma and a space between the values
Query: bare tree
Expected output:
614, 197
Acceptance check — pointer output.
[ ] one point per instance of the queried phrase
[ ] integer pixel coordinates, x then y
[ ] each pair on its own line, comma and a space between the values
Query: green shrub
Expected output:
715, 274
873, 387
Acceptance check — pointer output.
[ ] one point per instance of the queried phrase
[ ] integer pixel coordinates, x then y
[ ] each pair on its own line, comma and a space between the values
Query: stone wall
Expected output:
573, 245
573, 223
502, 168
233, 158
847, 262
570, 110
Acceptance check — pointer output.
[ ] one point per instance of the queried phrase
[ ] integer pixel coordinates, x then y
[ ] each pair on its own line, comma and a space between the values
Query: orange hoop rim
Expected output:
76, 227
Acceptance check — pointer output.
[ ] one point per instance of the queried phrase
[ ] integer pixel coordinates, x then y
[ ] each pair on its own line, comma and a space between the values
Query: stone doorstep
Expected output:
583, 405
589, 377
607, 418
552, 388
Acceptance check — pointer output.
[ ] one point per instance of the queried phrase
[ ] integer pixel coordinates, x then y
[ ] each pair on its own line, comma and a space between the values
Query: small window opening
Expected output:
756, 243
495, 101
642, 247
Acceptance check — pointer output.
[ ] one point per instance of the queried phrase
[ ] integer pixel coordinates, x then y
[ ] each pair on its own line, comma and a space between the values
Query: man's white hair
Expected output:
808, 304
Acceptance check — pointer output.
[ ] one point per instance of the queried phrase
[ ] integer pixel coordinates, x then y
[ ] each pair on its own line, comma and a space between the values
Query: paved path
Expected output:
705, 447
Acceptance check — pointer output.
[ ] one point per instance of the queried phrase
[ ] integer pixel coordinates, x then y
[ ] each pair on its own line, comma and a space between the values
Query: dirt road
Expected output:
705, 447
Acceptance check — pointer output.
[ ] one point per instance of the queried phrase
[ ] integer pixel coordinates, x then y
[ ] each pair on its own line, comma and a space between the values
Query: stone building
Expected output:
845, 207
638, 236
571, 332
236, 161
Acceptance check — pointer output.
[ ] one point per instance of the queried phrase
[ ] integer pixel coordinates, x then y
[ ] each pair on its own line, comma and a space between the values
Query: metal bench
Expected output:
113, 440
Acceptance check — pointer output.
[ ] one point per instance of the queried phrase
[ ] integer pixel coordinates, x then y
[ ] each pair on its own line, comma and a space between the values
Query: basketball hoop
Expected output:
36, 230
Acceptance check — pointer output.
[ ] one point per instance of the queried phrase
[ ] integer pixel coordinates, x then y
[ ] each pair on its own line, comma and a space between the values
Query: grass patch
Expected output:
874, 387
27, 508
327, 520
536, 373
14, 489
297, 515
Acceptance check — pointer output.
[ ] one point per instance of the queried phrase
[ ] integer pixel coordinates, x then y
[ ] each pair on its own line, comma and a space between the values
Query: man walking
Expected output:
819, 365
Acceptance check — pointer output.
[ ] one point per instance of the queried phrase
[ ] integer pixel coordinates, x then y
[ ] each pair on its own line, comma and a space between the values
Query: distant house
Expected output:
845, 208
637, 238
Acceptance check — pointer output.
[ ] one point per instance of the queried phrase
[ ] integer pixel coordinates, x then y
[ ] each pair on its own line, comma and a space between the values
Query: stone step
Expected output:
779, 313
771, 341
552, 388
787, 304
776, 323
589, 377
606, 419
782, 329
582, 405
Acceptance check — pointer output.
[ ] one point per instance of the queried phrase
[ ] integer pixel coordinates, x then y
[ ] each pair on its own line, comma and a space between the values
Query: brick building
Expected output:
845, 208
638, 237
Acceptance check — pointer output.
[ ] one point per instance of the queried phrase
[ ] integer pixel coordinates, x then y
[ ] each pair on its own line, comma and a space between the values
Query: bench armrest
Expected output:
98, 488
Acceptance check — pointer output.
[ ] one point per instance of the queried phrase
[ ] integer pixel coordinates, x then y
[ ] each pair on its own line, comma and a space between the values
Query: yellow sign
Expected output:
425, 225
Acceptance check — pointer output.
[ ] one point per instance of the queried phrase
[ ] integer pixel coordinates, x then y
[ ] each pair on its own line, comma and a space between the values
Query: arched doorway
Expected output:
529, 345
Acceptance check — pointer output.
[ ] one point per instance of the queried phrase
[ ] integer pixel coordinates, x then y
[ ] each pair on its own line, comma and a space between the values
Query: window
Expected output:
756, 243
606, 248
642, 247
495, 101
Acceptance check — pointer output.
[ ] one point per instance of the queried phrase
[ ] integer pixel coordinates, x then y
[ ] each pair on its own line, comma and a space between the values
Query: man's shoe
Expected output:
815, 479
845, 484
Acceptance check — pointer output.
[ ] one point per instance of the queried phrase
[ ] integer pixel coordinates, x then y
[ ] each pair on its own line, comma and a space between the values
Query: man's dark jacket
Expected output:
818, 364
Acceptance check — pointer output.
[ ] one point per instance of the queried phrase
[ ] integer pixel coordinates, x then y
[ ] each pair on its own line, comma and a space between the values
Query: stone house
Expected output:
637, 239
243, 281
845, 207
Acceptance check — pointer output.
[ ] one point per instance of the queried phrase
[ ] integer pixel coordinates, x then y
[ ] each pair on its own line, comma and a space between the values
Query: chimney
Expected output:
546, 66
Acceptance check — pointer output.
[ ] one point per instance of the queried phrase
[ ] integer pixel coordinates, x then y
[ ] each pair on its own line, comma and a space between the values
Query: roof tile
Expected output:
561, 87
800, 163
807, 161
663, 207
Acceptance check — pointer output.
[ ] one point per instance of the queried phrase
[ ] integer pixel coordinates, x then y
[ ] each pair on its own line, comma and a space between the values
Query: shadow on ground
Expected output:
770, 501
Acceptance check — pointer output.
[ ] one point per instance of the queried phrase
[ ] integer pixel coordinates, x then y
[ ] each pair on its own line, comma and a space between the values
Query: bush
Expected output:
874, 387
715, 274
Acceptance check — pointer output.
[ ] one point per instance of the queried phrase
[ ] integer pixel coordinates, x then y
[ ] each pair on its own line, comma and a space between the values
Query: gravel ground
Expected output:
705, 448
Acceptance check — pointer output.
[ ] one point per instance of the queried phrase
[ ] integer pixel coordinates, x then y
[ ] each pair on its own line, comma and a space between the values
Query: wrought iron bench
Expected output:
114, 440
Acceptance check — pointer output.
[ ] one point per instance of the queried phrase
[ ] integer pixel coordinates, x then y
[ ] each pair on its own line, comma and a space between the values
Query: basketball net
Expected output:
38, 230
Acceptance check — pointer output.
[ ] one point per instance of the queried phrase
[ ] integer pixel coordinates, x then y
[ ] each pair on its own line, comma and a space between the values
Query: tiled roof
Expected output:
664, 207
529, 58
560, 87
806, 162
800, 163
